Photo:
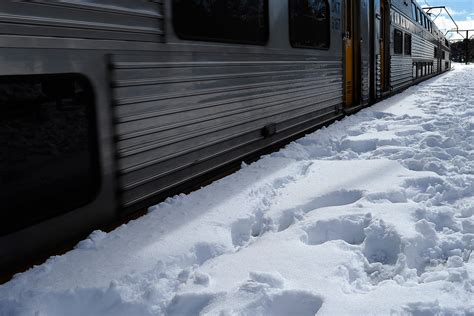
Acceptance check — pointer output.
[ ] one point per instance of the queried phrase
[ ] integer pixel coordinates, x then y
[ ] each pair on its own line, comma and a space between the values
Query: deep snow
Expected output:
372, 215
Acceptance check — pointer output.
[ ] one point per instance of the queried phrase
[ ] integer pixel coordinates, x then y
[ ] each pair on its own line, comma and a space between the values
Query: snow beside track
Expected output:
372, 215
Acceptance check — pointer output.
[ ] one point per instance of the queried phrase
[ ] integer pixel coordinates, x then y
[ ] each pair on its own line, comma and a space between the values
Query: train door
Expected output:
384, 46
351, 54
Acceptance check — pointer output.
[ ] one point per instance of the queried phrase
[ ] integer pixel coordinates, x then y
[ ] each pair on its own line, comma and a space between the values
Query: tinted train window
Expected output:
407, 44
397, 42
413, 8
420, 16
49, 160
240, 21
309, 23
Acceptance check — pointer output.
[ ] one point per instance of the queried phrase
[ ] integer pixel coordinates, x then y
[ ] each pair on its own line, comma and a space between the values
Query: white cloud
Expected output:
454, 12
444, 23
451, 11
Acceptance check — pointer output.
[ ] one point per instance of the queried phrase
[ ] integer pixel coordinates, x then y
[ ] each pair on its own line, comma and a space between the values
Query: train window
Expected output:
238, 21
413, 7
407, 43
49, 158
398, 42
420, 16
309, 23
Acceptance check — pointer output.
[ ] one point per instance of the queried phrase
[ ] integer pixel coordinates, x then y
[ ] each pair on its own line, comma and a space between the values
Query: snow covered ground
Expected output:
372, 215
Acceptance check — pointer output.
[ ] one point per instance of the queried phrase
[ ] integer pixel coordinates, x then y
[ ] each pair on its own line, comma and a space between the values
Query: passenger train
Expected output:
108, 106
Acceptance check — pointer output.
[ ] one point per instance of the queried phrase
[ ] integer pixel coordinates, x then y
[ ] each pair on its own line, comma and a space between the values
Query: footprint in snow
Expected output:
382, 243
272, 299
289, 302
244, 229
348, 228
336, 198
189, 303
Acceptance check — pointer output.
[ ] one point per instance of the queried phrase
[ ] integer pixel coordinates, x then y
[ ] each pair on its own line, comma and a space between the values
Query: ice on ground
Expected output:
372, 215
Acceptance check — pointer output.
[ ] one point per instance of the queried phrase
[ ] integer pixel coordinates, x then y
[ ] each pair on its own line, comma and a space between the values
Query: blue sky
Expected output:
461, 10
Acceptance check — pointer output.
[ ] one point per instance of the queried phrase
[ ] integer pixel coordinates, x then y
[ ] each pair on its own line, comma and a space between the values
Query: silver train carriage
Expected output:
107, 106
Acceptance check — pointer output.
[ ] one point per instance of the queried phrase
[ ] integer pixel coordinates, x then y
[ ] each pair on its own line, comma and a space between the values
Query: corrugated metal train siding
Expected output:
138, 20
400, 71
422, 48
178, 115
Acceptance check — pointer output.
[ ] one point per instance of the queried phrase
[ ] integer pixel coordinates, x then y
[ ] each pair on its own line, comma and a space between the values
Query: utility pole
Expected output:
467, 47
